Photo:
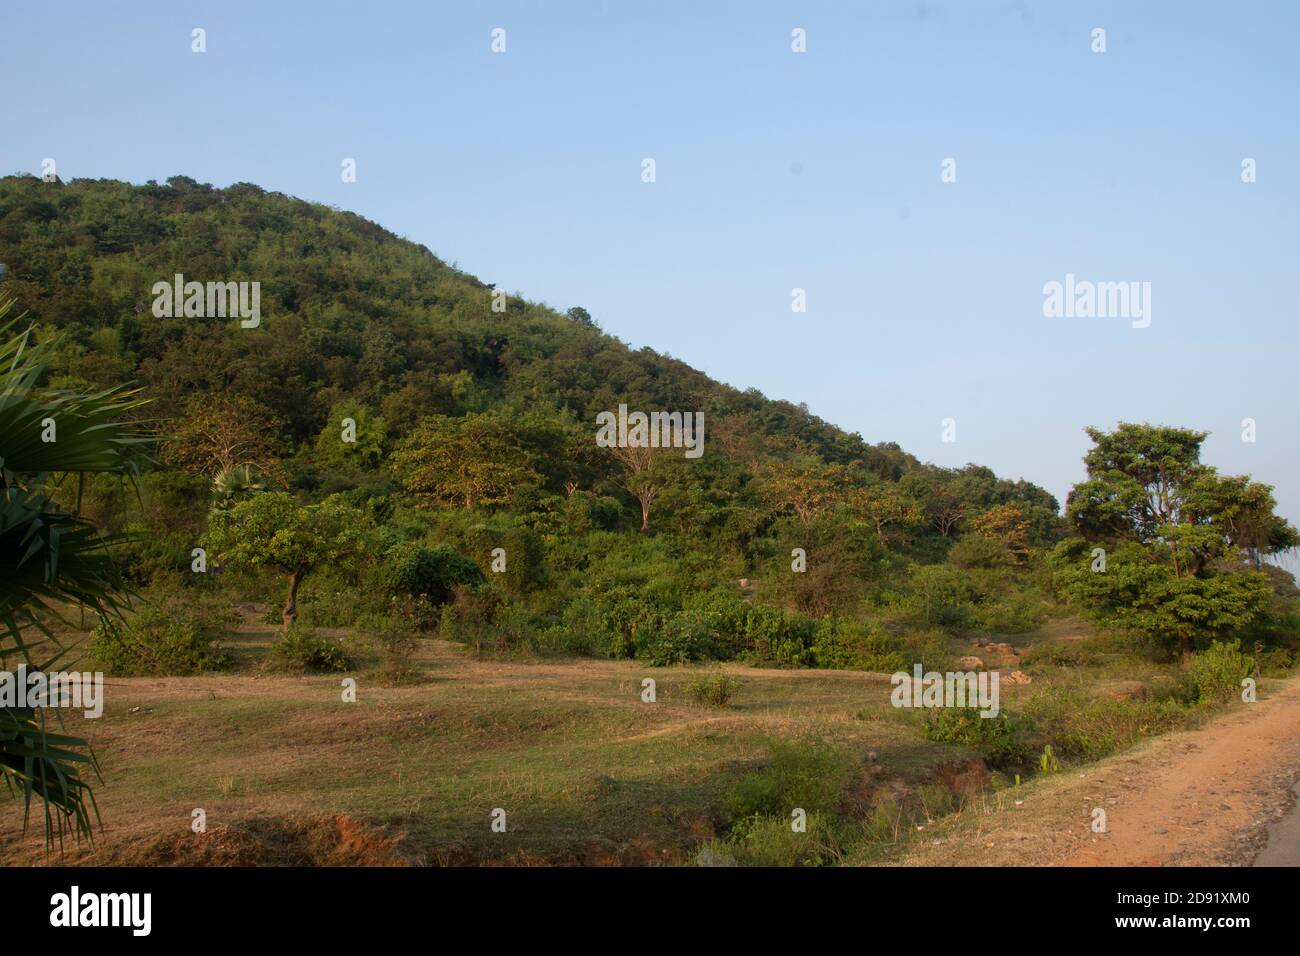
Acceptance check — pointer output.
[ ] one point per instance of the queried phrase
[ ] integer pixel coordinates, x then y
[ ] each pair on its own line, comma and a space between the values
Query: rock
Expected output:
1018, 677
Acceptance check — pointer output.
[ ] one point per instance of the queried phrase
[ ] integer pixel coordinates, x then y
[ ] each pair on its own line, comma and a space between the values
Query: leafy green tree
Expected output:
887, 508
417, 570
1139, 594
803, 484
1168, 529
366, 448
51, 557
273, 530
645, 475
471, 461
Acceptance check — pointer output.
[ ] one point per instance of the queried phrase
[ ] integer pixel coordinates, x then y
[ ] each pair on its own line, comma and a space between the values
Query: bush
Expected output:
714, 691
1089, 729
1002, 741
856, 646
1016, 612
1215, 675
525, 553
328, 602
300, 649
930, 649
396, 635
801, 774
772, 841
414, 570
976, 551
168, 638
681, 639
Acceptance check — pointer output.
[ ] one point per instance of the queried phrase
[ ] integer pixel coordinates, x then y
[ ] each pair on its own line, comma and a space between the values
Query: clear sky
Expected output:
775, 170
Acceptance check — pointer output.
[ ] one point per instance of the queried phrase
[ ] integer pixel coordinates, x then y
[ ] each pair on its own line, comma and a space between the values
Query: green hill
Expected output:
358, 323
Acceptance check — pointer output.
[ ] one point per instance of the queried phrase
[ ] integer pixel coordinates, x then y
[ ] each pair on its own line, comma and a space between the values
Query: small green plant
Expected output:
398, 640
713, 691
1048, 762
300, 649
773, 841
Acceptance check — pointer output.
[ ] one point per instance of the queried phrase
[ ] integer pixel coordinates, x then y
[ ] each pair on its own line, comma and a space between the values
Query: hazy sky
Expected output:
775, 170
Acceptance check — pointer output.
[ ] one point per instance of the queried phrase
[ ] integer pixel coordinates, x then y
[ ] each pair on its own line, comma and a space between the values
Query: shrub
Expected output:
1215, 674
1016, 612
584, 512
1002, 741
772, 841
801, 774
525, 553
414, 570
163, 639
930, 649
300, 649
857, 646
774, 635
714, 691
1089, 729
397, 638
330, 601
680, 639
1276, 662
976, 551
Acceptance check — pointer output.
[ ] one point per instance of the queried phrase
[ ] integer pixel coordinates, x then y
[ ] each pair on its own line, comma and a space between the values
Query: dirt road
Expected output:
1203, 797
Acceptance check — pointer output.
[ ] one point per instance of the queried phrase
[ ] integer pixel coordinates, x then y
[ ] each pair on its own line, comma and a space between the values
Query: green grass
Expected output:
585, 770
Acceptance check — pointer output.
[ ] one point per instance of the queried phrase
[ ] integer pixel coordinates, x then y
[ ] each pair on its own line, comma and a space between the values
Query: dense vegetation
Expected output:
398, 451
386, 432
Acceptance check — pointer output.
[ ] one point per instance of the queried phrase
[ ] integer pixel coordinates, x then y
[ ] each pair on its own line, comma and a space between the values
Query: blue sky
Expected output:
775, 170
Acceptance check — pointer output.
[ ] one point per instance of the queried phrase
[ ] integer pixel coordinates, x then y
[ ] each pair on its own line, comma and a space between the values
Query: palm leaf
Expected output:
50, 558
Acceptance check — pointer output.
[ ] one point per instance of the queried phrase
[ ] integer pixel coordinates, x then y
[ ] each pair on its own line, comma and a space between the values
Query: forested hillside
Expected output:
439, 450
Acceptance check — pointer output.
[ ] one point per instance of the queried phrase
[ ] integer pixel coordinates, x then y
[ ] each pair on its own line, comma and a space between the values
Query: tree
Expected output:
582, 317
219, 433
1006, 524
1143, 596
475, 460
884, 505
273, 530
946, 510
357, 445
417, 570
804, 484
643, 475
1167, 526
49, 556
230, 487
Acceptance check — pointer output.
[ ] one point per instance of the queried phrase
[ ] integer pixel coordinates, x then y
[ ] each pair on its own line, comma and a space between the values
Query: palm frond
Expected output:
51, 558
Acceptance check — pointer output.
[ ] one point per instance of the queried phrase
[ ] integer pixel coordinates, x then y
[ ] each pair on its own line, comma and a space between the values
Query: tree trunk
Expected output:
1186, 642
290, 613
645, 515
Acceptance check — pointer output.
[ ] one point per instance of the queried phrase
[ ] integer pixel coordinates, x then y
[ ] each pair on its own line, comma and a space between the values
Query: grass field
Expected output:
586, 772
